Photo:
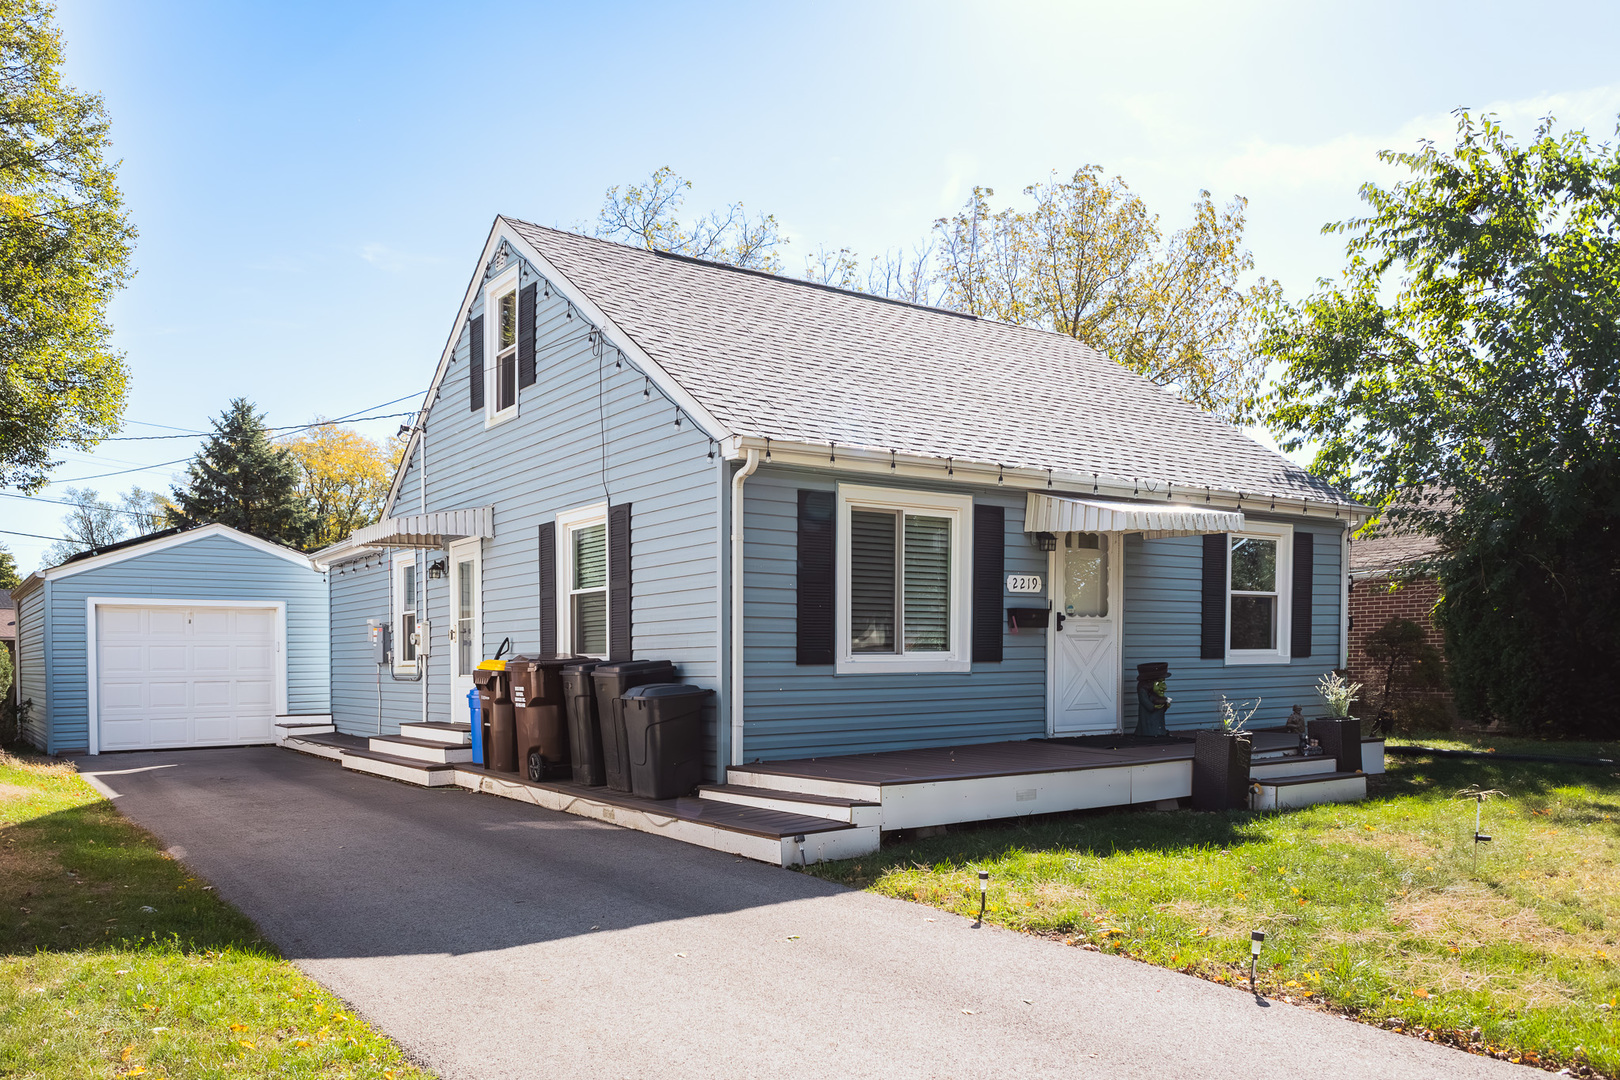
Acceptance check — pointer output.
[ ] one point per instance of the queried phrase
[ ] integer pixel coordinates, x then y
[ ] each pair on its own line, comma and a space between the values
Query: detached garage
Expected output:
196, 637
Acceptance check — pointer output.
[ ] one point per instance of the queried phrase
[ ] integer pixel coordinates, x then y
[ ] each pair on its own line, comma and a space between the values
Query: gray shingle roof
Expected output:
773, 357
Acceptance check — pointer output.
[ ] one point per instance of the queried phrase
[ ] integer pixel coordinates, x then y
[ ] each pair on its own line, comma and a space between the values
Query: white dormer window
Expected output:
500, 367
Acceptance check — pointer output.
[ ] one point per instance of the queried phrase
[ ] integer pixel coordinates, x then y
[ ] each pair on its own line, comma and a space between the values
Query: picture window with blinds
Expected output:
582, 574
501, 372
904, 572
1257, 611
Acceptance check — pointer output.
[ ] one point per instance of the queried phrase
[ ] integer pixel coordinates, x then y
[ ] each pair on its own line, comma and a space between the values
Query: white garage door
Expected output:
179, 676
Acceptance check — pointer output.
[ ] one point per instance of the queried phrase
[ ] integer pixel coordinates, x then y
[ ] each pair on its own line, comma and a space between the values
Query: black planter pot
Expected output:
1220, 779
1340, 739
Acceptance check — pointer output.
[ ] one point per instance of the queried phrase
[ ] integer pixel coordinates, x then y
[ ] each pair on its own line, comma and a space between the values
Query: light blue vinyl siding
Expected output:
795, 711
1163, 605
208, 568
31, 679
549, 458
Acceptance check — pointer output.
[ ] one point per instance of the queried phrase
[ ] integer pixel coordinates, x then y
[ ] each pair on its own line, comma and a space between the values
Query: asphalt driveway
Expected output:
494, 939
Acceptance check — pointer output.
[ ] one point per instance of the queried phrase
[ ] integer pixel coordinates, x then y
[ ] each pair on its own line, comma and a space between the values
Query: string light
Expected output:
832, 452
1094, 483
1001, 473
950, 466
891, 461
646, 387
767, 448
1048, 479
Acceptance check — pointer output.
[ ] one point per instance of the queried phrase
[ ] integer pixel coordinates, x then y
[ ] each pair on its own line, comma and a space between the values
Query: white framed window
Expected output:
406, 598
500, 347
1258, 572
904, 580
582, 581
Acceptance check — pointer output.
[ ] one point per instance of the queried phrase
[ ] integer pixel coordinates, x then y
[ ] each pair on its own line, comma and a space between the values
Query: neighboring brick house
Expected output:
1384, 587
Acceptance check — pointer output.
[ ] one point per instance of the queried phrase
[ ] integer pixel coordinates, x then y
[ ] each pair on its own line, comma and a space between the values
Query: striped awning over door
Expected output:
1061, 514
427, 530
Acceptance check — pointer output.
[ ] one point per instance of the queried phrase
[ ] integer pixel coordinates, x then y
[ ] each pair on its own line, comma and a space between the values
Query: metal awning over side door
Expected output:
435, 530
1065, 513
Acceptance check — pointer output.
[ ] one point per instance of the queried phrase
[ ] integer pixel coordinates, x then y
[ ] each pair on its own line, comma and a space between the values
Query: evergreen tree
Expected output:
8, 569
240, 479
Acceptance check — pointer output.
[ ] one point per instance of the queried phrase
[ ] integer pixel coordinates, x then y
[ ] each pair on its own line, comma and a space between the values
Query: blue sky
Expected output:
312, 182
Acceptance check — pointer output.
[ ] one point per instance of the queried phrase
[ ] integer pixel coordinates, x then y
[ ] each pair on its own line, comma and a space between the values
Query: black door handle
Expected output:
1060, 618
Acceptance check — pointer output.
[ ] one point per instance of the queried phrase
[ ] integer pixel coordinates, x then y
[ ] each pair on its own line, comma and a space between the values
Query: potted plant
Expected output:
1338, 733
1220, 779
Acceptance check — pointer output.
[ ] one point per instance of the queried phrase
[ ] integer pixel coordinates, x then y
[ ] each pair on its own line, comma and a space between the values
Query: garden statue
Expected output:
1296, 720
1151, 701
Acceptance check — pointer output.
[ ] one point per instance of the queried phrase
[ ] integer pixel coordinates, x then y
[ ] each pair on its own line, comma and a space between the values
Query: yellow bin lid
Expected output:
492, 665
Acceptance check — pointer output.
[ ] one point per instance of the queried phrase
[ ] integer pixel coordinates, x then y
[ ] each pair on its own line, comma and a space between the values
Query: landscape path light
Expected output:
1256, 939
984, 885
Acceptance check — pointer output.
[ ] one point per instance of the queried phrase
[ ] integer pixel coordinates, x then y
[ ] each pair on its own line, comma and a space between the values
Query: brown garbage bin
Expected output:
540, 714
495, 702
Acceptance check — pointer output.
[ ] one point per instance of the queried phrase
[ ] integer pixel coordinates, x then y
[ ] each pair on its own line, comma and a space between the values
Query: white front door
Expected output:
1083, 677
466, 622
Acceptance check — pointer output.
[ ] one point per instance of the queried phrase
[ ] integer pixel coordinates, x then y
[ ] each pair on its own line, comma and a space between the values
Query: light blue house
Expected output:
824, 505
194, 637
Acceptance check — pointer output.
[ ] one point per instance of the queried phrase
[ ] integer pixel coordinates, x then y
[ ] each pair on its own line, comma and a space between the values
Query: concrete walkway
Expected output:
494, 939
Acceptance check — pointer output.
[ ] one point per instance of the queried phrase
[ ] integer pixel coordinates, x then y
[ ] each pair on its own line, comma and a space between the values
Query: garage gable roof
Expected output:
171, 539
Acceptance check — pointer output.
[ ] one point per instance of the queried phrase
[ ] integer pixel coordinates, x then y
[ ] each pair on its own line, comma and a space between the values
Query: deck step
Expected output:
853, 811
311, 746
437, 753
410, 770
743, 776
1291, 792
435, 731
1290, 766
292, 728
767, 835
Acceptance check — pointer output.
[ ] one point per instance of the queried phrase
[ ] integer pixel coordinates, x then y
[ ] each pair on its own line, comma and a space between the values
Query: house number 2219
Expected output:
1024, 583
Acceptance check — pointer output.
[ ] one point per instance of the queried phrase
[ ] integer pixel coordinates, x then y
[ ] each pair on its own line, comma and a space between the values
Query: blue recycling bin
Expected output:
477, 715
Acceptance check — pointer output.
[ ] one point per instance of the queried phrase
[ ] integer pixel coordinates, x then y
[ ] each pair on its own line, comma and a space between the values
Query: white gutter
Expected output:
737, 637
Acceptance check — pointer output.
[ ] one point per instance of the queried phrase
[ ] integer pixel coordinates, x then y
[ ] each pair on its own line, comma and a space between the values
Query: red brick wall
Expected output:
1372, 604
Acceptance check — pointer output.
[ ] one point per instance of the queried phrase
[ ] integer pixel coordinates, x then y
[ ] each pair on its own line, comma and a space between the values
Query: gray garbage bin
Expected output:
613, 679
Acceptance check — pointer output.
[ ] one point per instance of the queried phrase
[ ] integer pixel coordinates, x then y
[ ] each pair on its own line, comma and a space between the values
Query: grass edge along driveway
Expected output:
116, 961
1375, 910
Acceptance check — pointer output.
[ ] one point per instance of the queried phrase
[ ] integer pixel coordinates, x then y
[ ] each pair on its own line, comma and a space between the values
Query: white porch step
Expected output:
288, 727
740, 776
792, 802
437, 753
434, 731
1291, 792
317, 749
1277, 768
778, 838
410, 770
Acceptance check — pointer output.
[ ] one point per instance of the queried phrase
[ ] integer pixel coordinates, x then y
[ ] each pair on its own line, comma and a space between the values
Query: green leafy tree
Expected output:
65, 242
9, 578
1465, 376
649, 215
145, 511
1088, 259
239, 478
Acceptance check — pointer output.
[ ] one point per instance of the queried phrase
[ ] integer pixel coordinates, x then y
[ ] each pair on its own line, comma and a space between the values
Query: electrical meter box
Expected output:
380, 637
422, 638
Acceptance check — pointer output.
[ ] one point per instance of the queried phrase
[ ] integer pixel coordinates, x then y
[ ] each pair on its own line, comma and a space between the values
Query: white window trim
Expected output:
567, 522
1284, 537
507, 281
400, 561
959, 509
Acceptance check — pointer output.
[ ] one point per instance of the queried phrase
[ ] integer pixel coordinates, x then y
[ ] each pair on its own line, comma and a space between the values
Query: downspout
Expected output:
737, 640
421, 567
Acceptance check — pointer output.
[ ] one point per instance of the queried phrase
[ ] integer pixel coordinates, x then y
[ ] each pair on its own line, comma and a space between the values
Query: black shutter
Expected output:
548, 589
525, 356
1212, 627
989, 562
1304, 568
619, 581
816, 557
475, 364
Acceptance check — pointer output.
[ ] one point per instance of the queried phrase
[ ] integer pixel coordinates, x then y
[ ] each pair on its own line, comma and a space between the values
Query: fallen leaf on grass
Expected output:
238, 1027
123, 1055
139, 1070
244, 1042
301, 1043
1421, 992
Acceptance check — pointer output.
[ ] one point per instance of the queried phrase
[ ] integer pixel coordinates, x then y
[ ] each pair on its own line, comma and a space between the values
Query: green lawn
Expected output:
1374, 909
114, 961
